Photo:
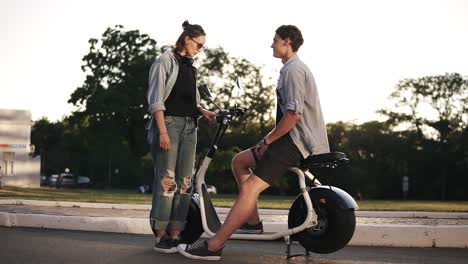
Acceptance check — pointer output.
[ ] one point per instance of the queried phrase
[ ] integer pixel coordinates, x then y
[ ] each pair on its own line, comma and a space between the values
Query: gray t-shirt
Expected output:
297, 93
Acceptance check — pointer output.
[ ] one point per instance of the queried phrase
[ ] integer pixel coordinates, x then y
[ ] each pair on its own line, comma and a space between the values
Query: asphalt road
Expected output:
30, 245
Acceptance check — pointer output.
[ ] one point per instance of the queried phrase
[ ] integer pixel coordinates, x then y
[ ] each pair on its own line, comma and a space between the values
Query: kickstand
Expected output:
287, 239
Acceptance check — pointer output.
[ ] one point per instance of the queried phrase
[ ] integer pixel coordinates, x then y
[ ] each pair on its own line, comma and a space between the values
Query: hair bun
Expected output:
185, 25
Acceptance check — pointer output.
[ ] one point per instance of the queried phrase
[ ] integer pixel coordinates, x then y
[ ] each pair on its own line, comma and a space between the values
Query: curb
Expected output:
75, 204
223, 210
411, 236
80, 223
365, 235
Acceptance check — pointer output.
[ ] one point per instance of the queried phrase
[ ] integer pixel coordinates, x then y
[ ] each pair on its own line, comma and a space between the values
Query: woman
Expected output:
174, 105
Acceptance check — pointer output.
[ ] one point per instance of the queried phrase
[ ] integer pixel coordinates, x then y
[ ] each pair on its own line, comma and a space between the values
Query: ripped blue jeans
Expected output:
173, 173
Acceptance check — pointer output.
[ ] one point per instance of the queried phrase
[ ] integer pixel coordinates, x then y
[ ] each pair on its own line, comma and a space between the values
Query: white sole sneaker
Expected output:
181, 249
164, 250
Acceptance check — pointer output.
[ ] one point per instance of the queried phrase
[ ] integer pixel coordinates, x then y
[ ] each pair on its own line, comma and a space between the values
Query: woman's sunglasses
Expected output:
199, 45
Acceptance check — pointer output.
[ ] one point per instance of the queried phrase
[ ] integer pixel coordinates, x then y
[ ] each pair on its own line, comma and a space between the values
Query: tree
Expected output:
219, 71
112, 105
46, 136
112, 101
444, 95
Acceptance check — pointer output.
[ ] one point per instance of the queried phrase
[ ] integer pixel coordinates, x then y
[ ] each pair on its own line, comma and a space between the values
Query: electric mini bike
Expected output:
321, 218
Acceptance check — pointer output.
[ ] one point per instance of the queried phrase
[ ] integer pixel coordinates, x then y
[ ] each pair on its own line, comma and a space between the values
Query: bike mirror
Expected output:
205, 90
239, 83
237, 90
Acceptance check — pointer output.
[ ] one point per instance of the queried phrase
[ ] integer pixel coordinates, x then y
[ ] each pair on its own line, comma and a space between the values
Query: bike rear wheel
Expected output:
335, 226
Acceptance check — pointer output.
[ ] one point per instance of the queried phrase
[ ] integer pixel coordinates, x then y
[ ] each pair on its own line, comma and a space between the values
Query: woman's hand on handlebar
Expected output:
209, 115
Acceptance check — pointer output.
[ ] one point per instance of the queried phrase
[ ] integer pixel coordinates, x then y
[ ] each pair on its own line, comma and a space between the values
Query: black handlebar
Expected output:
228, 114
237, 112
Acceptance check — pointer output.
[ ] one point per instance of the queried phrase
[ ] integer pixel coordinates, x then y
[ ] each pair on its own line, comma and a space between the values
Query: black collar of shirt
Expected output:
184, 59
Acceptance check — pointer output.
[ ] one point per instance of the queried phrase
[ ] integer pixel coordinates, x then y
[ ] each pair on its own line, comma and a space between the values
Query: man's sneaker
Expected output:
250, 229
166, 245
199, 250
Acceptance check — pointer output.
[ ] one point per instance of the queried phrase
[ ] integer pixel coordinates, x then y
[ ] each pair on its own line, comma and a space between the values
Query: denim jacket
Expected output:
162, 77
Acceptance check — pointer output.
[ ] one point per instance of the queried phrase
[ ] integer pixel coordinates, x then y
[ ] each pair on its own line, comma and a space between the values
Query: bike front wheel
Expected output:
193, 227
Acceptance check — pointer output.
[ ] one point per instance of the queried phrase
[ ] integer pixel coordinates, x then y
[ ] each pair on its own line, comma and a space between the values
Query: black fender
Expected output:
333, 195
336, 218
193, 228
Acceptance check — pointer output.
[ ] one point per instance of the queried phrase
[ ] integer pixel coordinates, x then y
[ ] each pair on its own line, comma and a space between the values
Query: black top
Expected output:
279, 113
183, 101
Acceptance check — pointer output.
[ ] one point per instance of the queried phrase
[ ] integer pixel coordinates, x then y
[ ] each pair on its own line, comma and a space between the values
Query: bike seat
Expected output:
331, 159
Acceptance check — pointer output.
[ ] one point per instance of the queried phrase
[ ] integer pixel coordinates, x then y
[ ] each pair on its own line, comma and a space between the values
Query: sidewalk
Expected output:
374, 228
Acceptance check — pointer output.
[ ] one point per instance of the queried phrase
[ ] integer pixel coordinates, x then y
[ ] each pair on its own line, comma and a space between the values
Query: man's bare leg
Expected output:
240, 212
241, 165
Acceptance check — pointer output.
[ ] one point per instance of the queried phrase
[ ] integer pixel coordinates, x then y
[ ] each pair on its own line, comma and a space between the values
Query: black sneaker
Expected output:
246, 228
199, 250
166, 245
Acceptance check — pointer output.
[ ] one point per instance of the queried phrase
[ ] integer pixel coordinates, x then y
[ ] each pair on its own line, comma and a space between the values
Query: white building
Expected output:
18, 168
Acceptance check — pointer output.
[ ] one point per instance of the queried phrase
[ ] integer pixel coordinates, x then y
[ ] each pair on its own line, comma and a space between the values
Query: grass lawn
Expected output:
222, 200
76, 195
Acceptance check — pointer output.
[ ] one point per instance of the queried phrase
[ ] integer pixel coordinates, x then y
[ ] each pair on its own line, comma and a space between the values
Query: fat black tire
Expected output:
193, 228
335, 226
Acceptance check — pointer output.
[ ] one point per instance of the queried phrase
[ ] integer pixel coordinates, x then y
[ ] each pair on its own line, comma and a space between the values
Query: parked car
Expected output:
52, 180
144, 189
66, 180
83, 181
44, 180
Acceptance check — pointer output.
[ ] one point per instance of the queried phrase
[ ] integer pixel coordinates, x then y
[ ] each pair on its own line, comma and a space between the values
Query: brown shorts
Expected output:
280, 155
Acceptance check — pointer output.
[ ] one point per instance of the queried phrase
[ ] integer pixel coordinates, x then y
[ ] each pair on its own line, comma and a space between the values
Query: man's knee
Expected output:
236, 161
243, 160
254, 185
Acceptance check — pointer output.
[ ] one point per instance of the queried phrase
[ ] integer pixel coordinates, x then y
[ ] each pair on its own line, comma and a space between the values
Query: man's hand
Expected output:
260, 149
210, 116
164, 141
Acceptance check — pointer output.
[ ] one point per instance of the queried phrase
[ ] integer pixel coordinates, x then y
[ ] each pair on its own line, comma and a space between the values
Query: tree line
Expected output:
105, 138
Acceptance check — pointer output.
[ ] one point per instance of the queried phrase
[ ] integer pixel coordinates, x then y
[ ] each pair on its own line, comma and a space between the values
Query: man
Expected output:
300, 131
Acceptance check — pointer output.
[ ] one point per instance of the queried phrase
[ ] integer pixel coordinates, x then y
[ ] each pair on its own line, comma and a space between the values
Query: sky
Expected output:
357, 50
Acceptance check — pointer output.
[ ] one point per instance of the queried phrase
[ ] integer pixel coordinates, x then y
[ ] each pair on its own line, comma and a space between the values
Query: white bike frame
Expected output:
310, 221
